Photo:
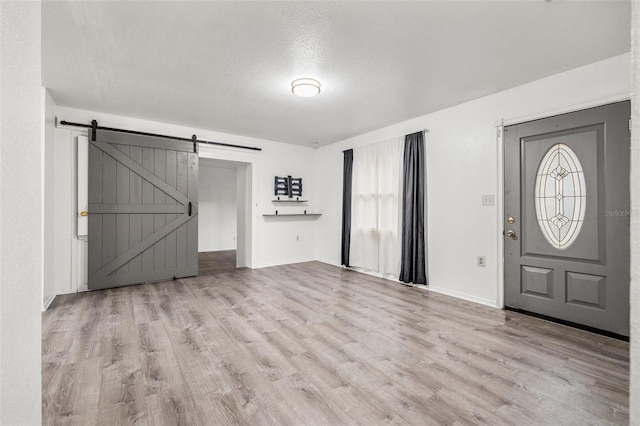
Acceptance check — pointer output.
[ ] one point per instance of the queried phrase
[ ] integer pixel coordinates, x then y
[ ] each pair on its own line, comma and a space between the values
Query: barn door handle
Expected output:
189, 208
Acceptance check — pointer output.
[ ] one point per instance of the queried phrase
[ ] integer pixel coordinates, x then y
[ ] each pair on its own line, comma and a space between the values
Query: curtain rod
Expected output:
94, 126
423, 131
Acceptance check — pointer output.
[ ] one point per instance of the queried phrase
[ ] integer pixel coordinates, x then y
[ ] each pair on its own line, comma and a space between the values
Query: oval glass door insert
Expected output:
560, 195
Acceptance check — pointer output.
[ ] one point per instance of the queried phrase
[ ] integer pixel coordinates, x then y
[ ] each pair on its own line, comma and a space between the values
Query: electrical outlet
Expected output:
481, 261
488, 200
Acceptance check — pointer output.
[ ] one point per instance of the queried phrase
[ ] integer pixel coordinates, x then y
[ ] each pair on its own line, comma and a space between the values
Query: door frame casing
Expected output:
500, 124
252, 162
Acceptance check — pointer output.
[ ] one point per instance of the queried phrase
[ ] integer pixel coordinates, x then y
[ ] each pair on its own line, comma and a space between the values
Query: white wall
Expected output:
21, 243
58, 206
217, 207
275, 242
288, 239
462, 164
63, 186
243, 218
634, 397
48, 224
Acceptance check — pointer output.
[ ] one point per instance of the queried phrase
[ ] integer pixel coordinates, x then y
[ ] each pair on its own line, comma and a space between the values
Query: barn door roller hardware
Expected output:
94, 128
194, 139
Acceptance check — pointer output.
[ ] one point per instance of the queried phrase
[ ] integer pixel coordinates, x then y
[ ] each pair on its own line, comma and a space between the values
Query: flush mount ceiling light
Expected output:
305, 87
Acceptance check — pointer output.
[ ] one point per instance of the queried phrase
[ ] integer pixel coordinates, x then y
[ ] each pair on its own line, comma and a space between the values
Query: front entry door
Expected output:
143, 208
567, 217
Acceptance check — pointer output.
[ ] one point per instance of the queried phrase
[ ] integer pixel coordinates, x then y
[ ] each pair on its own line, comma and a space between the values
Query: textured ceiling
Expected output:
227, 66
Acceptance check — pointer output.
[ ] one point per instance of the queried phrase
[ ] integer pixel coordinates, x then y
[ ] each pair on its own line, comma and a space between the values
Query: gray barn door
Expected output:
567, 217
143, 207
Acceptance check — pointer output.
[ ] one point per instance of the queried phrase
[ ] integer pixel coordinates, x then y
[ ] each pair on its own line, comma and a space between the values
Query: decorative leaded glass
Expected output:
560, 194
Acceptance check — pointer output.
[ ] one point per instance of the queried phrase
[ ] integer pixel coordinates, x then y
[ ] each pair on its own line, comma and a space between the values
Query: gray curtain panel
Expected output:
347, 173
413, 262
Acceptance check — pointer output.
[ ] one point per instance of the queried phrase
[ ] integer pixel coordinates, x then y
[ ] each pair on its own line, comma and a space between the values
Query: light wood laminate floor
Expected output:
316, 344
215, 262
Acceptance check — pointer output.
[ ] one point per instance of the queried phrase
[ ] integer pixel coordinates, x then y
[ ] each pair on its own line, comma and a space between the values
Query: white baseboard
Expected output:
387, 277
435, 289
47, 303
463, 296
71, 291
328, 262
268, 265
445, 291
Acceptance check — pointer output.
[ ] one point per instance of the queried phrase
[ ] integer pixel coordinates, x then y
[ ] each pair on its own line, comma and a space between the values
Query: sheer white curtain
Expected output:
376, 207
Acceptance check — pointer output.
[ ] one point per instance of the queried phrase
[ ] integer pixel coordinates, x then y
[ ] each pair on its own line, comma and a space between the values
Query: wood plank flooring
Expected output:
215, 262
313, 344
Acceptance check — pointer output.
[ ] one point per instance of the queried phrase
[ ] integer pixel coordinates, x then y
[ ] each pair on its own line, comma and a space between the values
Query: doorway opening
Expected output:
223, 226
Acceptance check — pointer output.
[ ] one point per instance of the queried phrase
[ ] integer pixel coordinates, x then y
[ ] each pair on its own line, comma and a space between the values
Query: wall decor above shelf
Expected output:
289, 186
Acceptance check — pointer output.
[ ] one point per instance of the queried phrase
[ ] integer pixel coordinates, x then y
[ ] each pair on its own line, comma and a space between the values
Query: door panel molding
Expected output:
137, 208
140, 247
142, 172
583, 140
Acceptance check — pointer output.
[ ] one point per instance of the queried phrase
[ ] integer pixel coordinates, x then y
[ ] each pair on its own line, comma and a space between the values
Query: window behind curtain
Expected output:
376, 207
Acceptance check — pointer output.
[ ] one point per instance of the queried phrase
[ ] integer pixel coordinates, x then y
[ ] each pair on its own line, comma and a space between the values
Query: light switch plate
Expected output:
488, 200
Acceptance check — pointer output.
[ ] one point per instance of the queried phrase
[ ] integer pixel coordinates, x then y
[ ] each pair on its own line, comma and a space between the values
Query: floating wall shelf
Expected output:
292, 214
290, 201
